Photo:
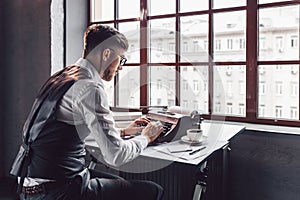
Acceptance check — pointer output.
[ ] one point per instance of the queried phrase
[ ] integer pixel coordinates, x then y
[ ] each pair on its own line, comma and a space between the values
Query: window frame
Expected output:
251, 62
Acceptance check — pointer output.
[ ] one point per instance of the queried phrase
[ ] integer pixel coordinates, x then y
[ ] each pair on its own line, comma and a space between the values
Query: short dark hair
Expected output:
106, 35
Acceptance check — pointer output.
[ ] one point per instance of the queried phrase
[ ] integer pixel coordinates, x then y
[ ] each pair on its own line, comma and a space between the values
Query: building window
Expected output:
278, 88
185, 104
218, 44
229, 44
185, 47
196, 86
196, 46
294, 89
217, 107
278, 111
261, 110
294, 41
229, 108
159, 84
185, 85
262, 88
242, 109
229, 89
279, 44
242, 43
294, 113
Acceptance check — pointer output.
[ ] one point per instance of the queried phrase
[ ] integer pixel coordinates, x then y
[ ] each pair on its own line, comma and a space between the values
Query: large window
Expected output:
237, 59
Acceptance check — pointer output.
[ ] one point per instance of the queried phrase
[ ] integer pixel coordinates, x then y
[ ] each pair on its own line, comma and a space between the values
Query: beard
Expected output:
108, 75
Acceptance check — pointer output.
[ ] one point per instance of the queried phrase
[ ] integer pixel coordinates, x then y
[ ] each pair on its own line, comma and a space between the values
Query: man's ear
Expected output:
106, 54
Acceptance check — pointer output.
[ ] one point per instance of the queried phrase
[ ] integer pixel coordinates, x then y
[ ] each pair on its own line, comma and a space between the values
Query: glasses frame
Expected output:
123, 59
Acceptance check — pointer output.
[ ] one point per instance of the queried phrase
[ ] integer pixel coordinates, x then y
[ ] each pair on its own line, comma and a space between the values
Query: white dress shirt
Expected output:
85, 105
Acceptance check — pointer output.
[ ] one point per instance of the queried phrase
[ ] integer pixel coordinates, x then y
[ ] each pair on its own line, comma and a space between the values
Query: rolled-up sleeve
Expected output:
93, 107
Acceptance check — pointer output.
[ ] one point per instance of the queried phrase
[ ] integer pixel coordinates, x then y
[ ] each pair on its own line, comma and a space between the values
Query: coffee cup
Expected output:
194, 134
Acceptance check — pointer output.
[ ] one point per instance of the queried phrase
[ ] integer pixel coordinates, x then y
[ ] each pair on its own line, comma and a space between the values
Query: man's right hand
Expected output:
152, 131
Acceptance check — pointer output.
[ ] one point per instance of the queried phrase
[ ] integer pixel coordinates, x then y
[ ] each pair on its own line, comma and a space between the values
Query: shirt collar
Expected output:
85, 64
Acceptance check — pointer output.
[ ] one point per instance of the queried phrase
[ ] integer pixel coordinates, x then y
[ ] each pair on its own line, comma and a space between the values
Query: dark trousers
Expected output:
103, 186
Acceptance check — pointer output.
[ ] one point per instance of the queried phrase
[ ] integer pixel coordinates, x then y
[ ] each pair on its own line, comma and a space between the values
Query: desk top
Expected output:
218, 135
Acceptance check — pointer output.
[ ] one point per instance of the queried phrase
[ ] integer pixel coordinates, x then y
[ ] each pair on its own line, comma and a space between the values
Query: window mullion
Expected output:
144, 53
251, 61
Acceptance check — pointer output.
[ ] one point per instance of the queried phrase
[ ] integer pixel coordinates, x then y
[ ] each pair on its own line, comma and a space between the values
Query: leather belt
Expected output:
42, 188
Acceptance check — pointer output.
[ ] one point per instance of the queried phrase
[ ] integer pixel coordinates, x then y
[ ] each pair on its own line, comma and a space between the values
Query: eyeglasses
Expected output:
123, 59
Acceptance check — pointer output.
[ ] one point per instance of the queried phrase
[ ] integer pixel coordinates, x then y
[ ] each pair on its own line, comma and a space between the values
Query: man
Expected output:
71, 106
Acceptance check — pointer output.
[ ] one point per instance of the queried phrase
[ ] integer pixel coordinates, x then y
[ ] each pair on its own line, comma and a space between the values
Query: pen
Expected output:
193, 152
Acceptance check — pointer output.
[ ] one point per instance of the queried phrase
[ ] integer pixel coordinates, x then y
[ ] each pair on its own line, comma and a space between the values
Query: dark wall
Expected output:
25, 65
264, 166
1, 85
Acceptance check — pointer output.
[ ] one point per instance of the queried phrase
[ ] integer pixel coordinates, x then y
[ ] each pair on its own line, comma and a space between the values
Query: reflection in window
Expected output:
273, 41
158, 7
193, 29
160, 88
228, 3
162, 40
278, 87
225, 33
132, 32
192, 5
128, 87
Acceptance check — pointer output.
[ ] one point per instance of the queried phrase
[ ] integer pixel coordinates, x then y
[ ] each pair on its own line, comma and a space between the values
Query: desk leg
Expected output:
225, 170
201, 185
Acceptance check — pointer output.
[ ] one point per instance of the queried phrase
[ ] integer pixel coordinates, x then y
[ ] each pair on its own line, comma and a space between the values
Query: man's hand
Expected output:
136, 126
152, 131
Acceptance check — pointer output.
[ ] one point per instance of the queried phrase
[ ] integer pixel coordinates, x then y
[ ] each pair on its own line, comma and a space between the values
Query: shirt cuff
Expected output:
143, 140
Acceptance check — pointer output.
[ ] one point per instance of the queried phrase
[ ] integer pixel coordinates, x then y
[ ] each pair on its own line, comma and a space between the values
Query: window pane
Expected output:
193, 5
228, 3
279, 33
162, 86
230, 36
129, 87
132, 32
102, 10
278, 91
229, 90
268, 1
132, 11
194, 38
194, 88
159, 7
162, 40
